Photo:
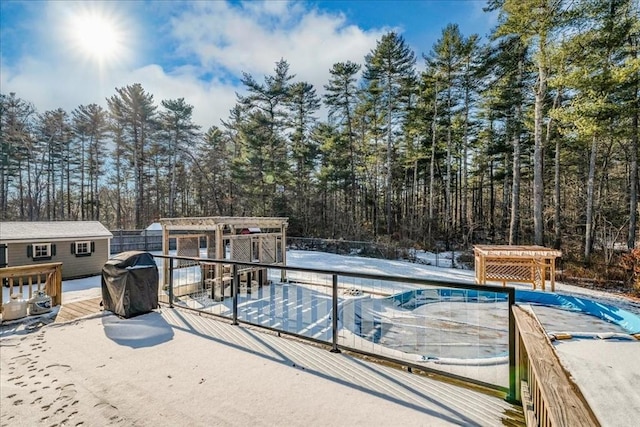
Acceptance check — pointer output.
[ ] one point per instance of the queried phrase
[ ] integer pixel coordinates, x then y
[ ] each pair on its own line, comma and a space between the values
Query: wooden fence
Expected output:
135, 240
549, 397
28, 279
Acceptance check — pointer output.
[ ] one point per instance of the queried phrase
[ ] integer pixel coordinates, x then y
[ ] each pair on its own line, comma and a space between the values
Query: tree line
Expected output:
530, 137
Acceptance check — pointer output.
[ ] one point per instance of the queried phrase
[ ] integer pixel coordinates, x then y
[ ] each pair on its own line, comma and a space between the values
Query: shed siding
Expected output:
72, 265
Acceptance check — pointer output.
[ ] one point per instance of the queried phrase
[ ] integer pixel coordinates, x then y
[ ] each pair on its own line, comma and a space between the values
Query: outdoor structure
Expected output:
523, 264
154, 229
243, 239
81, 246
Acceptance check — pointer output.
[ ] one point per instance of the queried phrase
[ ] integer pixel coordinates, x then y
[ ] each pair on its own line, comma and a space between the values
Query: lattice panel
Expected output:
187, 246
268, 250
241, 249
514, 270
211, 245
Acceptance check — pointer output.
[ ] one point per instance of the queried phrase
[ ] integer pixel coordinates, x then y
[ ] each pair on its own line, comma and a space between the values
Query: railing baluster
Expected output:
514, 392
334, 316
235, 285
170, 282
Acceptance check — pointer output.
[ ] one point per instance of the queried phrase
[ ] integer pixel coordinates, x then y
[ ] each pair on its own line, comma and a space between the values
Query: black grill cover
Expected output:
130, 284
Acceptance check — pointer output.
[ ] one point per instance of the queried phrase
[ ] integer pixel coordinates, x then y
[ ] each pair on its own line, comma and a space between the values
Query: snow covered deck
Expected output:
175, 367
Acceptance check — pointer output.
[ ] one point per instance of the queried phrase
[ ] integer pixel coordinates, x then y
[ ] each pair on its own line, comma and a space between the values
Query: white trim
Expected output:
71, 239
34, 256
87, 245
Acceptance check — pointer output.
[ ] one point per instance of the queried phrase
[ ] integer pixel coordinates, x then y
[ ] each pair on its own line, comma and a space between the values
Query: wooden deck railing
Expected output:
549, 397
28, 279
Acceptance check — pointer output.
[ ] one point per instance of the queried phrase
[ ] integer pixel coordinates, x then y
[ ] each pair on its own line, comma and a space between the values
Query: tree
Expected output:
341, 99
446, 61
133, 109
16, 150
595, 79
534, 22
55, 134
90, 127
390, 67
179, 132
470, 83
264, 144
303, 103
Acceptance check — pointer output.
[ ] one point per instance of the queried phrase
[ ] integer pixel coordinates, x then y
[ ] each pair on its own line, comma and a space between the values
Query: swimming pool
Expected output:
467, 326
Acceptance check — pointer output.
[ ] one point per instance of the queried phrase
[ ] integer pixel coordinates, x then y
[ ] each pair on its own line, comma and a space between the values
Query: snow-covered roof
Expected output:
52, 230
155, 227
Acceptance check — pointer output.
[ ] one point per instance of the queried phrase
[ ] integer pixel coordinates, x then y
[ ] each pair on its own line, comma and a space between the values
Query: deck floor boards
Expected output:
439, 401
77, 309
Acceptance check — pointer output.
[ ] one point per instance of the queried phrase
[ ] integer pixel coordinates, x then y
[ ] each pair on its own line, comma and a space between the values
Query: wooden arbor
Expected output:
525, 264
244, 239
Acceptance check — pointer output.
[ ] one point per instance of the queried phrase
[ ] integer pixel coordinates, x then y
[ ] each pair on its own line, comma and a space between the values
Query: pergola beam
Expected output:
209, 223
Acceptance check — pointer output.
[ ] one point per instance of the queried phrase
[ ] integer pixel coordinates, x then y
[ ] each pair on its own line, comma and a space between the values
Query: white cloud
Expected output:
251, 37
224, 39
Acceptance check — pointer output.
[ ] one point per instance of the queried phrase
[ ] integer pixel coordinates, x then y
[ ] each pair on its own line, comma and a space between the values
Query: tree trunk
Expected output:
538, 183
432, 165
514, 224
557, 241
633, 168
633, 181
588, 241
447, 188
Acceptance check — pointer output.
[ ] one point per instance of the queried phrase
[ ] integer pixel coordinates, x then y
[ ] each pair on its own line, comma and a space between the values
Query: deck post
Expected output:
170, 280
235, 285
513, 395
334, 316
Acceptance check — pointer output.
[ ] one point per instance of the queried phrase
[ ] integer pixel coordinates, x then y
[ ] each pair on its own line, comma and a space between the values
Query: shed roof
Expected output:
52, 230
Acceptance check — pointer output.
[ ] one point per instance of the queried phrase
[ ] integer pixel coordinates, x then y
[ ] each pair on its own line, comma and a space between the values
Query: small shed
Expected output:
154, 229
82, 246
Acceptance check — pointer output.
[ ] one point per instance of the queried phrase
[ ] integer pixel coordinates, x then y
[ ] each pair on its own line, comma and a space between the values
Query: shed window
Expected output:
82, 248
41, 250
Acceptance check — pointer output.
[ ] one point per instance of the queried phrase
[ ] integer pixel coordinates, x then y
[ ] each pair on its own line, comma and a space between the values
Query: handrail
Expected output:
549, 397
24, 275
510, 392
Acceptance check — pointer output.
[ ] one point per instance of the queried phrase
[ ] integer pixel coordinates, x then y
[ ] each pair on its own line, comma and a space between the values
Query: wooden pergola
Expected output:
244, 239
523, 264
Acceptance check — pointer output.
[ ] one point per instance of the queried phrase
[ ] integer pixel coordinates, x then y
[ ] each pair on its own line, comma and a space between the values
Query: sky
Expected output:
65, 53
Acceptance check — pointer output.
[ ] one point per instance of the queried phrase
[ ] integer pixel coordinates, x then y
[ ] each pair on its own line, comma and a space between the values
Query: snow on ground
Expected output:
606, 371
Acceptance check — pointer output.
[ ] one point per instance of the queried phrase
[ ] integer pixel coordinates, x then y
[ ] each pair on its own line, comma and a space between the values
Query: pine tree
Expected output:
16, 153
446, 60
90, 127
133, 109
179, 133
341, 99
303, 104
390, 67
263, 139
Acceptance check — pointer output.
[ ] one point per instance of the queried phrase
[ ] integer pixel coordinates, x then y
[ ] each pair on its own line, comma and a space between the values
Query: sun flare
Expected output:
96, 36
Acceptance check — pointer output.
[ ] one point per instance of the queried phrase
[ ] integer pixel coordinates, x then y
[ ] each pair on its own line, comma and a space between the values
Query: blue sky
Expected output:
65, 53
